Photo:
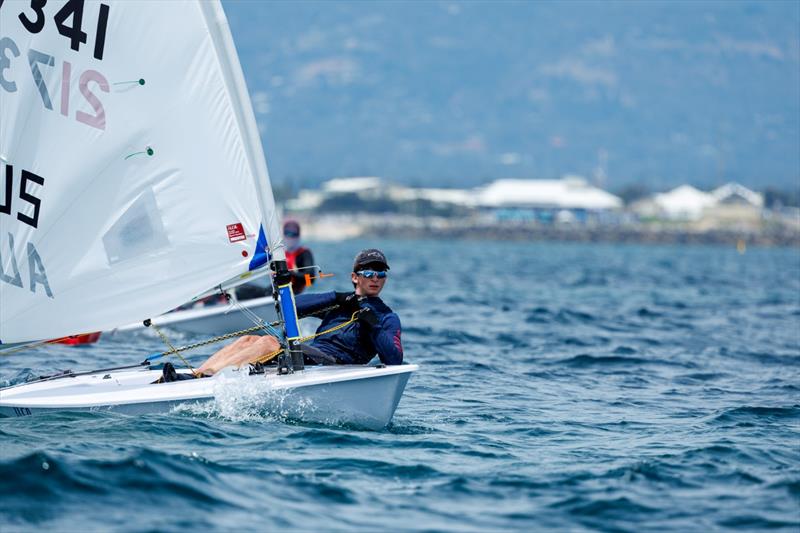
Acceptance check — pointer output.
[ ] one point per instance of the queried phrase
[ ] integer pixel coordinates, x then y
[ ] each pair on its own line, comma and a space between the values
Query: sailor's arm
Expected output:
308, 304
386, 337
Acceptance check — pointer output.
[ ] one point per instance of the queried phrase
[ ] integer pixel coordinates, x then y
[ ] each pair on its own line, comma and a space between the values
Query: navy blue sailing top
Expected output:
356, 343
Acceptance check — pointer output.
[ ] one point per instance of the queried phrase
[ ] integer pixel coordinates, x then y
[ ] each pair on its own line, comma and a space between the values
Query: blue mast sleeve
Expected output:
307, 304
386, 337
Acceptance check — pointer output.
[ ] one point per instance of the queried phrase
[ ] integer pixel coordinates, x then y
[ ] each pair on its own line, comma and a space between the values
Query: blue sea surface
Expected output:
564, 386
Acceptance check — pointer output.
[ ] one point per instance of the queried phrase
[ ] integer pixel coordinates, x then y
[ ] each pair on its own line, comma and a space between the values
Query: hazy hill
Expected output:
457, 93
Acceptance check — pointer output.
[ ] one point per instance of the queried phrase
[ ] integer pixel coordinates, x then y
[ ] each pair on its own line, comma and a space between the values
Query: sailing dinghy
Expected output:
132, 179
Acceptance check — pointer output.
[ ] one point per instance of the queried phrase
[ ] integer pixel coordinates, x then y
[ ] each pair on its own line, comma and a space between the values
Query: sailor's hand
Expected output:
347, 301
368, 317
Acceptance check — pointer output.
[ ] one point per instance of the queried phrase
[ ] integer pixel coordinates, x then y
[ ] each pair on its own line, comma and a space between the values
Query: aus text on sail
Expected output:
25, 207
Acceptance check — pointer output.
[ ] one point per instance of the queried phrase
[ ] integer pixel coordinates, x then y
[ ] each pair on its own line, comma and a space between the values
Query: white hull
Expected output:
365, 396
212, 320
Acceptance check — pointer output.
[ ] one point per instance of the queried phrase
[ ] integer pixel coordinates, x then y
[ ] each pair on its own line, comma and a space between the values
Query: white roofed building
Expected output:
681, 203
572, 192
568, 200
736, 207
731, 206
735, 194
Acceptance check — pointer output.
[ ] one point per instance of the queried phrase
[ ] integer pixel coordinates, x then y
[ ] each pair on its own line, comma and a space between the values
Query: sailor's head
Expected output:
291, 234
291, 228
370, 270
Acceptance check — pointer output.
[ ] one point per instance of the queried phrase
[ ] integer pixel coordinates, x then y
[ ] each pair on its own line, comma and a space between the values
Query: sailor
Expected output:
299, 258
377, 328
375, 331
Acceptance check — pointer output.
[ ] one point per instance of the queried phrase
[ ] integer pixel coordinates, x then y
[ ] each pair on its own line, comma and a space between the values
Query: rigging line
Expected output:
208, 341
255, 318
17, 349
270, 356
232, 283
172, 349
331, 330
71, 374
322, 311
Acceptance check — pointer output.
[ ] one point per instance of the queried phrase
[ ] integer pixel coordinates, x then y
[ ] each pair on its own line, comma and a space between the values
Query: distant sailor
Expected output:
375, 332
299, 258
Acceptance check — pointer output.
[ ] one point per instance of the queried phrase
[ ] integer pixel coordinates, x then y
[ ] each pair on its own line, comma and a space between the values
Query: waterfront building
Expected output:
571, 200
735, 207
684, 203
731, 206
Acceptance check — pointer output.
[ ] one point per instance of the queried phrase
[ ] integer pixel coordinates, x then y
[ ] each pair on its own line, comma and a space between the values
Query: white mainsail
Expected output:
131, 173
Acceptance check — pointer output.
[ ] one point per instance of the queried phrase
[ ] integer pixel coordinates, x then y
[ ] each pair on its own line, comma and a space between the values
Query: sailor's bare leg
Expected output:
244, 350
222, 355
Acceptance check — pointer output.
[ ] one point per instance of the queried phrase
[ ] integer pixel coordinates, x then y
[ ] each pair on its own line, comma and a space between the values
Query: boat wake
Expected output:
240, 398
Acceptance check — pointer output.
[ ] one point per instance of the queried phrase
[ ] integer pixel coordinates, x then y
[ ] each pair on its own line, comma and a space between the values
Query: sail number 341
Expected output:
33, 19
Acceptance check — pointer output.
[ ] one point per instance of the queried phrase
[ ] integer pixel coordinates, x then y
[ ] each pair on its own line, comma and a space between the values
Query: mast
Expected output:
292, 358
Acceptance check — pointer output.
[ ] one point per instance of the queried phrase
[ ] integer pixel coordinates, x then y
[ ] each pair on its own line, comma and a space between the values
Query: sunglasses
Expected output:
369, 274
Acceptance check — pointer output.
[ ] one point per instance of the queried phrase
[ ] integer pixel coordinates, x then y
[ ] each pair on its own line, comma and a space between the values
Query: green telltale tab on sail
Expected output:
148, 152
140, 81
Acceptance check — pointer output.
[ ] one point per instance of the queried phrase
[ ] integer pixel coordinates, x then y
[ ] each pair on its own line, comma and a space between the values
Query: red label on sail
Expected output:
236, 232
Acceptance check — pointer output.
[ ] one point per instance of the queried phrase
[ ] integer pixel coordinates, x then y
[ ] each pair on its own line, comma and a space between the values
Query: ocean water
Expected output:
562, 386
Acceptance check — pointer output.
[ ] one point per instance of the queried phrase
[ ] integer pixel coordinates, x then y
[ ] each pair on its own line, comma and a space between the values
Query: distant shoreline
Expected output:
596, 235
340, 227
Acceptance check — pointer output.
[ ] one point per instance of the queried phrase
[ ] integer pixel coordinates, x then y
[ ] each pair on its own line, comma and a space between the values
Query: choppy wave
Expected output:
617, 388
